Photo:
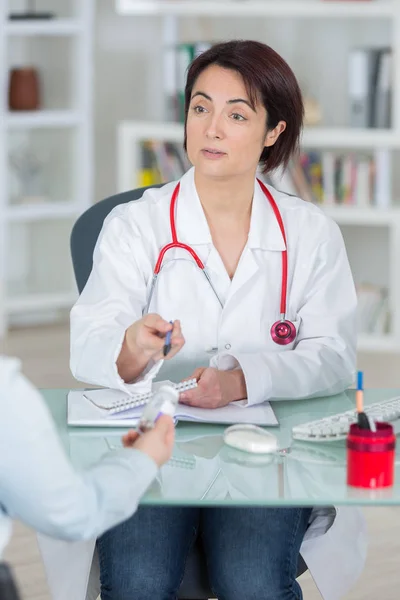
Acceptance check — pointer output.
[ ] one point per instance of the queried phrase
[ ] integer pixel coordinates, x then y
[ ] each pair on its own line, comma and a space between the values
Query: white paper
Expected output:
83, 413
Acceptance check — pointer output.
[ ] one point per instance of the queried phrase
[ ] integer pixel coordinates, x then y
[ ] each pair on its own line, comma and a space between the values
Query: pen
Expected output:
360, 392
167, 345
372, 424
362, 419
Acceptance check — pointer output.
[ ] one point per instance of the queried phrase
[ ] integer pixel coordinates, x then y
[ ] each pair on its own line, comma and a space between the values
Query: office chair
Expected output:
8, 589
195, 585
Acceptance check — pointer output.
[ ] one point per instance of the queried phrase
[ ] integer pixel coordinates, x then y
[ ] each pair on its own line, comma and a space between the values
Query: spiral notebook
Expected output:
116, 401
112, 408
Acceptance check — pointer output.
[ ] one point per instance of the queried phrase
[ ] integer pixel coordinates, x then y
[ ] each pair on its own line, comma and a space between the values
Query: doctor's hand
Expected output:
215, 388
144, 341
146, 338
156, 443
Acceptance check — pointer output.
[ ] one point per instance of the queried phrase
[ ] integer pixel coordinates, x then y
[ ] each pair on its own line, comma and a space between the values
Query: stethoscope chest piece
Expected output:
283, 332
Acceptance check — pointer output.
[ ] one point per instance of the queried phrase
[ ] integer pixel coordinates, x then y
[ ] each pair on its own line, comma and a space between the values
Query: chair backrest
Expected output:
8, 589
87, 228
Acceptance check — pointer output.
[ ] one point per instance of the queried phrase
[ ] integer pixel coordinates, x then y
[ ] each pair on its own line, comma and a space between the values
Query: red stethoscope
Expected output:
283, 331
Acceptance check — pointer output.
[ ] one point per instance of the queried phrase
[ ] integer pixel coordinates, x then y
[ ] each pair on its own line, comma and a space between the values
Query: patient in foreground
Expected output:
39, 486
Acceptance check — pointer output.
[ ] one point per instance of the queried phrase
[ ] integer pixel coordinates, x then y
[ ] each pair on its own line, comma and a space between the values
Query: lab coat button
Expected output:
228, 346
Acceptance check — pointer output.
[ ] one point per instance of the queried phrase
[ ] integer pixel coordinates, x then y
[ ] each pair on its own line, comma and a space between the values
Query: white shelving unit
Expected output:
386, 222
322, 137
31, 302
44, 118
257, 8
57, 27
72, 121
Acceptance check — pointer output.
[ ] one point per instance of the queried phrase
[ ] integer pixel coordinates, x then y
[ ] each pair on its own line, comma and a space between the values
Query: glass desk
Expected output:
204, 471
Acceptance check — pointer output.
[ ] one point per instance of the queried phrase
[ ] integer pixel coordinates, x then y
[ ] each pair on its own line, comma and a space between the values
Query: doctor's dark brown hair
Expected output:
269, 80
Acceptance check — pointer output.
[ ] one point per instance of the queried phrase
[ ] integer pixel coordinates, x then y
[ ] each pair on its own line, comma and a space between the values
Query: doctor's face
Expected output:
225, 133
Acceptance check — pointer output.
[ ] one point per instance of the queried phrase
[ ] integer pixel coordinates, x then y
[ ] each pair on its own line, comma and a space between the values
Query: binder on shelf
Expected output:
328, 177
177, 60
370, 87
383, 86
359, 85
383, 177
363, 196
170, 84
185, 54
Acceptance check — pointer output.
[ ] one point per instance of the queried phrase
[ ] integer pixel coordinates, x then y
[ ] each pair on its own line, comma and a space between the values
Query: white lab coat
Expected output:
321, 303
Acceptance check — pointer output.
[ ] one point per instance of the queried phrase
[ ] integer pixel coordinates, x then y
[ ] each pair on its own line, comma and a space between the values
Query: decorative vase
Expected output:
24, 89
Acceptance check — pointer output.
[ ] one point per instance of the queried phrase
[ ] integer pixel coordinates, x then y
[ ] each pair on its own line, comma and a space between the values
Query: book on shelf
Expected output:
177, 60
373, 315
370, 87
322, 177
161, 161
335, 178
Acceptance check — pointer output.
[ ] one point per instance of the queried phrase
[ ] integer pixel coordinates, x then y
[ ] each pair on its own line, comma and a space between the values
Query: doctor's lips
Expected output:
212, 153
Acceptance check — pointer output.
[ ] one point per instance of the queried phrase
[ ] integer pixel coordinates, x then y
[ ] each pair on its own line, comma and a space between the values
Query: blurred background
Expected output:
91, 104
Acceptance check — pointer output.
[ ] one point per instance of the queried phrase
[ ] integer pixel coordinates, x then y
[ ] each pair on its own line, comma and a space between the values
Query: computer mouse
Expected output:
251, 438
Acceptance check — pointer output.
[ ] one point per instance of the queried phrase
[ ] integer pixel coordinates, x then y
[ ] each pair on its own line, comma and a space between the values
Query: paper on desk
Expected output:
83, 413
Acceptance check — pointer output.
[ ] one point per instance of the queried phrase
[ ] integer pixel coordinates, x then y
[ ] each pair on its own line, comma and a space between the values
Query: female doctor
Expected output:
260, 294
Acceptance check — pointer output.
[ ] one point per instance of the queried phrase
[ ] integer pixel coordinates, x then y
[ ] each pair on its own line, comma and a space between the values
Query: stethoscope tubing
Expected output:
283, 331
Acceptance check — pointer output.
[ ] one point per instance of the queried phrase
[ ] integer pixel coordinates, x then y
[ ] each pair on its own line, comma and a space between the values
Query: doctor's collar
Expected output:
192, 226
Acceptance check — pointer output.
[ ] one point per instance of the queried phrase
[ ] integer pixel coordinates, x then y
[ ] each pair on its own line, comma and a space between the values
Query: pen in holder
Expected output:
370, 448
371, 456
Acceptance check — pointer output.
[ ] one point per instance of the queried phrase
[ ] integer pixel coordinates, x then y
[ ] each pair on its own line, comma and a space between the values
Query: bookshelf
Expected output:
258, 8
131, 134
36, 280
369, 231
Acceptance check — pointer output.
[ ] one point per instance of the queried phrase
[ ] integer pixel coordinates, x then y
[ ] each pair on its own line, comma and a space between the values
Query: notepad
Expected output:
83, 412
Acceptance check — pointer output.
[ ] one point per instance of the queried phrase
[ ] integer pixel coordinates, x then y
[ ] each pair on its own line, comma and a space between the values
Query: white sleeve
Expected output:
39, 485
323, 359
113, 298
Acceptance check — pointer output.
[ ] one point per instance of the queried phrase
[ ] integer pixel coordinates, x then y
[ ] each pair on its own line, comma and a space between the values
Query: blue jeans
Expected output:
251, 553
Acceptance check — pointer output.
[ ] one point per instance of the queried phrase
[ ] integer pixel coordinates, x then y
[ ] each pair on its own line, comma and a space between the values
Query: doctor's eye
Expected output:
199, 109
237, 117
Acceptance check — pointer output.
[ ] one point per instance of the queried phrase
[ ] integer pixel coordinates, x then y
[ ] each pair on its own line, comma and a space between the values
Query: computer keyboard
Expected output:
336, 427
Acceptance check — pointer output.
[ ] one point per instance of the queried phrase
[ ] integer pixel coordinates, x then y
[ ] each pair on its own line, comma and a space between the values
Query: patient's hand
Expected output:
156, 443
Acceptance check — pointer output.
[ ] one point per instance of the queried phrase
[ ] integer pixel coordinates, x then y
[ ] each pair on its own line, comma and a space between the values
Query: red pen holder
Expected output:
371, 456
